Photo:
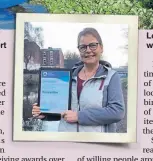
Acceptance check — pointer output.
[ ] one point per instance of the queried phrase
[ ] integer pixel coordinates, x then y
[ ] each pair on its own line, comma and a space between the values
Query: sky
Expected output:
64, 36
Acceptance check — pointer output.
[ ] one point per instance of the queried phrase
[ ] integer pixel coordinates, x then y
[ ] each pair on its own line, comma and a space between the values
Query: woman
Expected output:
97, 99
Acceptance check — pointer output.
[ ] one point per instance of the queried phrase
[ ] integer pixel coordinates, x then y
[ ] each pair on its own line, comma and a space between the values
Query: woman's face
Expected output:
90, 54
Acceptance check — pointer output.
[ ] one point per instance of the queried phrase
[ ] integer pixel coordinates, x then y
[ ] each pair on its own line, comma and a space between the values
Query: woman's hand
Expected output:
36, 112
70, 116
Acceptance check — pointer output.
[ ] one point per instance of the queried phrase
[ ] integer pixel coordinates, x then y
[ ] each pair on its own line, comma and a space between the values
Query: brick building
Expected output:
52, 57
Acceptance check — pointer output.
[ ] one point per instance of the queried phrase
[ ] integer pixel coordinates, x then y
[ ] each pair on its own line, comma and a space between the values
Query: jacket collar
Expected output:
102, 71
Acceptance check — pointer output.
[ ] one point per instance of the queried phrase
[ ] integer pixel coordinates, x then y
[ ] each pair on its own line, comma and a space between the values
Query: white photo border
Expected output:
130, 136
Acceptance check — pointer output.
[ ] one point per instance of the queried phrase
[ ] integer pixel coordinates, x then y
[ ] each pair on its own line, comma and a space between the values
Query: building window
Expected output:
51, 54
44, 61
51, 61
44, 54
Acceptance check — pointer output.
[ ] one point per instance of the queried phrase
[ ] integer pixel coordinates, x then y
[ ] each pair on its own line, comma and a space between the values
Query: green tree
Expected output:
106, 7
146, 3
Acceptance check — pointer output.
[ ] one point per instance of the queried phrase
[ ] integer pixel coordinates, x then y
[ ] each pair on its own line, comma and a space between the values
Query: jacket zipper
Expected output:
104, 76
79, 100
77, 122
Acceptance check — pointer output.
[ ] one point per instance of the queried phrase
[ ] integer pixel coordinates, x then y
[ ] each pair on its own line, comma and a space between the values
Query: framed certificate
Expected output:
54, 90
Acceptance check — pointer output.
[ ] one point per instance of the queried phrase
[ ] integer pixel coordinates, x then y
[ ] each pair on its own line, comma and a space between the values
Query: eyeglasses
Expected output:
83, 48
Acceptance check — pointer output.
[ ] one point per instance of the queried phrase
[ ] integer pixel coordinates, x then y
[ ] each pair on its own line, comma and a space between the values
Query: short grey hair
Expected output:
90, 31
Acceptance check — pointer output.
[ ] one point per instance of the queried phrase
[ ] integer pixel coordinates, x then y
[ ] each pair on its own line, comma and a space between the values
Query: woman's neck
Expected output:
90, 68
